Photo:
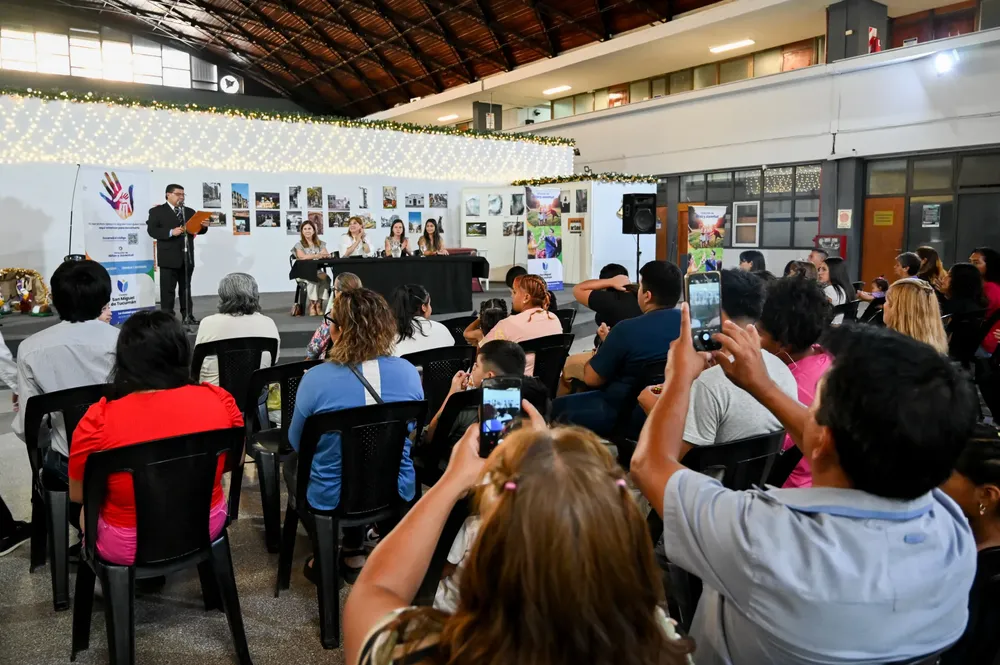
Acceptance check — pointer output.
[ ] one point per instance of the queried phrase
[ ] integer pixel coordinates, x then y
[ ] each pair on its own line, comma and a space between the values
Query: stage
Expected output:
297, 330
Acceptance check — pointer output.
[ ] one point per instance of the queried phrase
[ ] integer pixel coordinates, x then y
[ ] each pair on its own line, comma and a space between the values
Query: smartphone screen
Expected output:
703, 292
501, 404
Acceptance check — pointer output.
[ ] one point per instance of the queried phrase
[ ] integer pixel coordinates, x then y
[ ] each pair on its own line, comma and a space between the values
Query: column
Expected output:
847, 24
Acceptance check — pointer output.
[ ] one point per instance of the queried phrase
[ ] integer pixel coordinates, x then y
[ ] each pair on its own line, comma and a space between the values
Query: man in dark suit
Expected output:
166, 225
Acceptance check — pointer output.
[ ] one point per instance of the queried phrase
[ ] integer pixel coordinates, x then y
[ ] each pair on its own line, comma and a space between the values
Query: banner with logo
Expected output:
706, 235
545, 235
113, 206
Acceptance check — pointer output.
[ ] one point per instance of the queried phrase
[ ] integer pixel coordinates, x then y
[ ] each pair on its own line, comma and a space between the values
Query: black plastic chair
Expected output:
783, 465
623, 435
457, 325
429, 585
269, 446
438, 368
848, 309
550, 356
431, 457
965, 334
858, 286
301, 291
173, 480
372, 439
566, 316
876, 317
49, 496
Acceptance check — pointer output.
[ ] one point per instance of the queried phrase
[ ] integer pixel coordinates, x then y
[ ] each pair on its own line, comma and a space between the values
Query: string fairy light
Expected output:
620, 178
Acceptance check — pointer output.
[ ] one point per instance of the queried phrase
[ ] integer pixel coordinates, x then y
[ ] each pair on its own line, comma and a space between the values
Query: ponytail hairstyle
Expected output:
407, 303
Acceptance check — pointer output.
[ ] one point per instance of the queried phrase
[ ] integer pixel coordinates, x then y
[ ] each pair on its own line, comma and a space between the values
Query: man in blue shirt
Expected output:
873, 563
628, 348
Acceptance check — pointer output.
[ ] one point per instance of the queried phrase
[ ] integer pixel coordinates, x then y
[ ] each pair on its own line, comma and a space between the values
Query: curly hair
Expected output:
366, 325
796, 312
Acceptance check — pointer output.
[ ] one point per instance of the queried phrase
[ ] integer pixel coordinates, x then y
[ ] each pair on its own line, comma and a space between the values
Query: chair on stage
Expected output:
550, 354
170, 535
49, 495
438, 367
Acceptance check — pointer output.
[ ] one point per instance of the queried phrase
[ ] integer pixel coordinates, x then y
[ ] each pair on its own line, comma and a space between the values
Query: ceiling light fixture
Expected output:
556, 90
732, 46
446, 118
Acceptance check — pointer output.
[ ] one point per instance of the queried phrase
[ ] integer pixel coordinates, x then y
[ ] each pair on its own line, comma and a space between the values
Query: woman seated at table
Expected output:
430, 242
397, 244
354, 242
153, 397
310, 247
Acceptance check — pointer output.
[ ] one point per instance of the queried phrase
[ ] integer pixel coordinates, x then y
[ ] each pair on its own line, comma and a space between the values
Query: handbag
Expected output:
368, 386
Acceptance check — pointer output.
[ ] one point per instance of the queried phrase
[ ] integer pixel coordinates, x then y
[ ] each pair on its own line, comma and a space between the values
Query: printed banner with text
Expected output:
113, 206
706, 236
545, 235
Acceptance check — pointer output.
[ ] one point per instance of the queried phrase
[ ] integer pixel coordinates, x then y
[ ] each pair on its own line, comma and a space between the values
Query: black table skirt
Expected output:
447, 278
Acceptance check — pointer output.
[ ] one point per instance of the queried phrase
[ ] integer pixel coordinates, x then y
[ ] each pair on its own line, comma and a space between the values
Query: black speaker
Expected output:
639, 214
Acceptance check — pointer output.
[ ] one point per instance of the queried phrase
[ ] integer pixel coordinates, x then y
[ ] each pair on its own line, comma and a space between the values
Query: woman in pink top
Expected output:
796, 312
530, 318
988, 262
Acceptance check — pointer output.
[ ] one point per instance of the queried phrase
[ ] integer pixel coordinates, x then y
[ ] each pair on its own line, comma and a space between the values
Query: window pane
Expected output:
145, 46
706, 76
151, 80
117, 60
681, 81
53, 64
747, 185
601, 99
147, 65
807, 179
777, 223
176, 59
583, 103
932, 174
778, 181
734, 70
638, 92
659, 87
176, 78
618, 95
980, 171
85, 53
720, 188
887, 177
561, 108
17, 48
766, 63
47, 42
693, 188
87, 73
806, 222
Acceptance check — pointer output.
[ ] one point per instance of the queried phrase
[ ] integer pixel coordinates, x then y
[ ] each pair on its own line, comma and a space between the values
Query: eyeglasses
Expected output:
330, 320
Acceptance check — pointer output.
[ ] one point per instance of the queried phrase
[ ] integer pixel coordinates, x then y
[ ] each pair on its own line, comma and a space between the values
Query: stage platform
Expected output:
297, 330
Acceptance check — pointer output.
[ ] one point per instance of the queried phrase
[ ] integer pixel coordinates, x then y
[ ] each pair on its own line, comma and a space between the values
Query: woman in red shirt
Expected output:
153, 398
988, 262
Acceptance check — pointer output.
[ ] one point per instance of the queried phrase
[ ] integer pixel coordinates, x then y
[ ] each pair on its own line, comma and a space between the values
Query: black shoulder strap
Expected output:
368, 386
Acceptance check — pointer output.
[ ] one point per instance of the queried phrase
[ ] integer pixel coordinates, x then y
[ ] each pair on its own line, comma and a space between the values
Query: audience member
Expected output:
78, 351
987, 260
551, 304
817, 575
817, 256
320, 342
152, 394
514, 273
837, 286
720, 411
8, 367
491, 312
907, 265
239, 316
805, 269
911, 308
932, 270
411, 304
975, 487
752, 260
530, 318
310, 247
764, 276
879, 286
12, 533
796, 313
965, 291
628, 348
475, 331
561, 570
363, 331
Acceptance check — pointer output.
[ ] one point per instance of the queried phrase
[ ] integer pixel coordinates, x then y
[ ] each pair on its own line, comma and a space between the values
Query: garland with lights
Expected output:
619, 178
351, 123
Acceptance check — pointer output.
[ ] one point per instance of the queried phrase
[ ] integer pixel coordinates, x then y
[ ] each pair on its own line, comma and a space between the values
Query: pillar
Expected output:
847, 24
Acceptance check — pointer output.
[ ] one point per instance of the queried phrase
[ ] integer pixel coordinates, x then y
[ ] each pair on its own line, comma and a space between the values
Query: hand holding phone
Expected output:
703, 293
499, 406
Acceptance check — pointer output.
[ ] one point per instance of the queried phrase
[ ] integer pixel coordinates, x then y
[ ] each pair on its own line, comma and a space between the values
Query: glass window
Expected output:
561, 108
980, 171
179, 78
766, 63
693, 188
659, 87
117, 60
807, 179
85, 56
617, 95
778, 181
887, 177
734, 70
145, 46
747, 185
52, 53
720, 188
706, 76
777, 223
601, 99
747, 224
147, 65
931, 174
806, 222
681, 81
152, 80
176, 59
17, 49
638, 92
583, 103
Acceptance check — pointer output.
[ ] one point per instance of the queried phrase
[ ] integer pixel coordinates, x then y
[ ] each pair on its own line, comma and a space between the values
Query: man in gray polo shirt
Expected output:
873, 563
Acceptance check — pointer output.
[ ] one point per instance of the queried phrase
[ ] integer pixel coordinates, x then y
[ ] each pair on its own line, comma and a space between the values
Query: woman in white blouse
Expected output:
415, 331
832, 275
354, 242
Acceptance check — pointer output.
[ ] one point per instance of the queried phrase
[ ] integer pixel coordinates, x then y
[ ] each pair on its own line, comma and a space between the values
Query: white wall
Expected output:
883, 103
607, 242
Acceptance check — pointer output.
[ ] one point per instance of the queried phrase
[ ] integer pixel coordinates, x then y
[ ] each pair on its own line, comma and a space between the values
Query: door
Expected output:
882, 237
977, 227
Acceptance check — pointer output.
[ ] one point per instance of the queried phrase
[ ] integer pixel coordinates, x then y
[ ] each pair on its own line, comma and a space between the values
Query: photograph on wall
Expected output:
386, 222
367, 221
475, 229
267, 219
414, 200
294, 194
416, 222
241, 195
581, 200
293, 220
217, 219
472, 205
564, 200
513, 229
268, 201
338, 220
930, 216
544, 234
517, 204
335, 202
388, 197
241, 222
439, 200
316, 219
575, 225
706, 237
363, 198
211, 195
314, 197
494, 205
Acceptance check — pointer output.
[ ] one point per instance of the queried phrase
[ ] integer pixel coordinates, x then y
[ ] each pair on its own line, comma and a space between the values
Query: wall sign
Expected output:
844, 218
229, 84
883, 218
930, 217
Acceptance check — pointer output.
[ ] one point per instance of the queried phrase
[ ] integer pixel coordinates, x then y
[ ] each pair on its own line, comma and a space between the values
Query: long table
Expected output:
447, 278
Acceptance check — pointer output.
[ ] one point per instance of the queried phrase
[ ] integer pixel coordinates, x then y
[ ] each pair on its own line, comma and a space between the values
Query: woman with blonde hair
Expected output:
355, 242
912, 308
561, 570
